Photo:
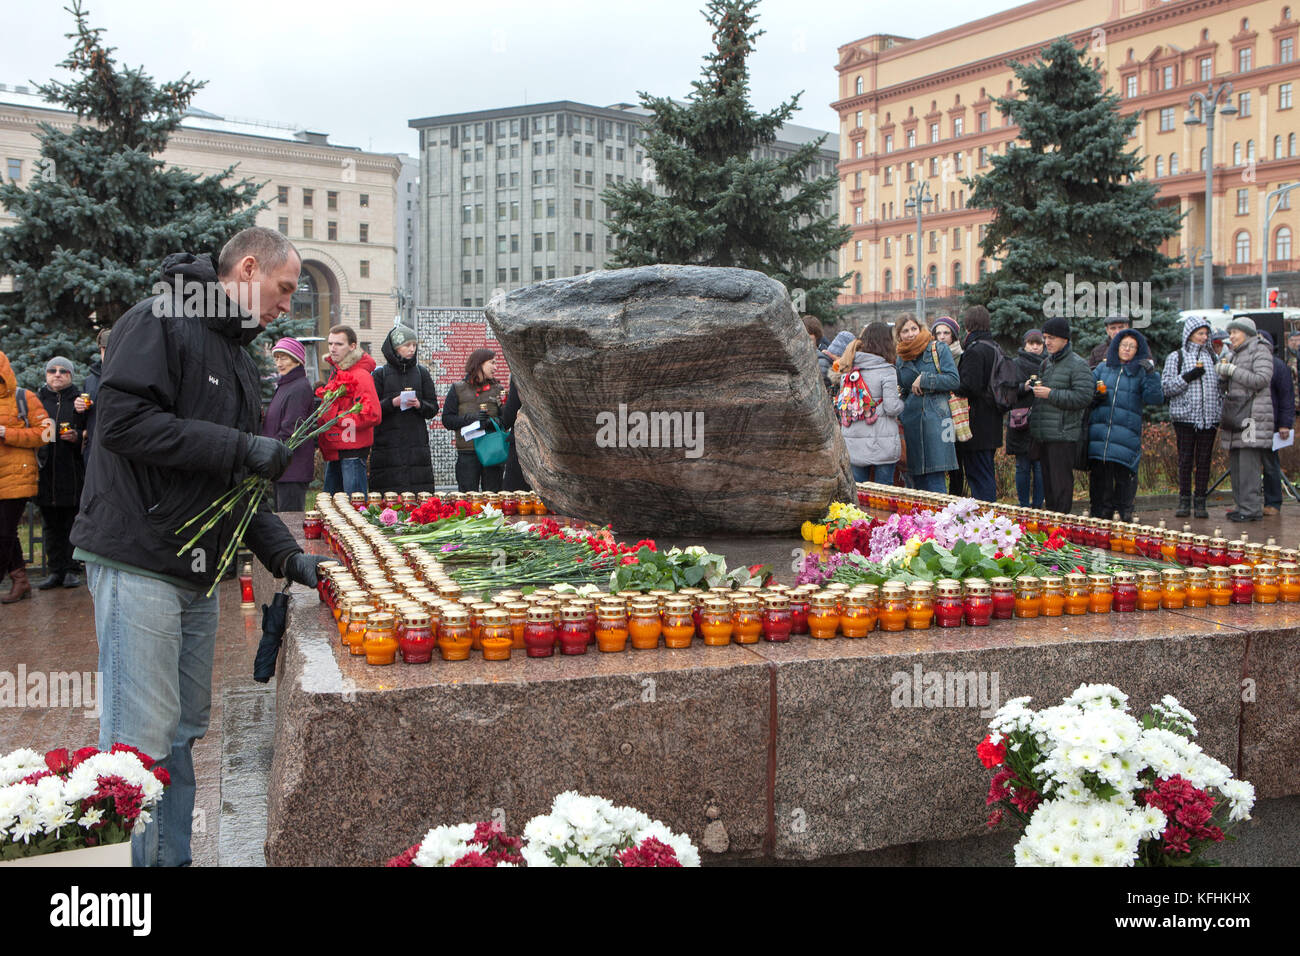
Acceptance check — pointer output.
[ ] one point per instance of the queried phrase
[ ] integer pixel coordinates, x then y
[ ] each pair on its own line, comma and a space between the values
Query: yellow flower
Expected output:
913, 546
819, 534
806, 530
836, 509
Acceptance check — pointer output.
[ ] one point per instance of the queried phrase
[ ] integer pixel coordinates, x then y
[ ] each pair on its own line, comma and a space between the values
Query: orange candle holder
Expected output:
716, 622
823, 615
1053, 597
1101, 594
893, 606
679, 623
746, 620
1076, 593
380, 643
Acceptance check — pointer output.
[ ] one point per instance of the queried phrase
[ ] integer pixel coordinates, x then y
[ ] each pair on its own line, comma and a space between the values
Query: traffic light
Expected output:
1274, 298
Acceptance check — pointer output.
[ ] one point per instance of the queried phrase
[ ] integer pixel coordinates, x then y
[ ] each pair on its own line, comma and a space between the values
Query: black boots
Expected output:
53, 581
1184, 506
1201, 512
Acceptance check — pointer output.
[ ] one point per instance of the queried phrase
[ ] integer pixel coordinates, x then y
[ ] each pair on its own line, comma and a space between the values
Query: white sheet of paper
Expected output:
1280, 442
470, 432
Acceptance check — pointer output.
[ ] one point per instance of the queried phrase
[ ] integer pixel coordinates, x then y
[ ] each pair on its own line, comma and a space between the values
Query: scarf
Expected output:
907, 351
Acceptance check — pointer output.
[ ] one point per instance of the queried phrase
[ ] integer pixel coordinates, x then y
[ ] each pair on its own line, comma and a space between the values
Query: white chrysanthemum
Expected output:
443, 846
535, 855
18, 764
92, 816
1241, 795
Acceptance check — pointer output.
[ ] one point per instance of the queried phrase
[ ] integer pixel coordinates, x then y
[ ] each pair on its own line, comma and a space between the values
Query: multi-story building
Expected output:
512, 196
408, 236
337, 204
916, 111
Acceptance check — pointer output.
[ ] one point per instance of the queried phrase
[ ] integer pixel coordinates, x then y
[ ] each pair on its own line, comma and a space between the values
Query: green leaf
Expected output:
694, 575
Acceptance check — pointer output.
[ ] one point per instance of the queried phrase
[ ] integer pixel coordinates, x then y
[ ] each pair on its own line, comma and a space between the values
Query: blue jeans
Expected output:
880, 474
346, 474
932, 481
156, 643
1029, 482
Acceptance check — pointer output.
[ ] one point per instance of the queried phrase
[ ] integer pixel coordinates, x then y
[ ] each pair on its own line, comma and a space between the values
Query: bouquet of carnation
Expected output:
1094, 786
465, 844
63, 801
591, 831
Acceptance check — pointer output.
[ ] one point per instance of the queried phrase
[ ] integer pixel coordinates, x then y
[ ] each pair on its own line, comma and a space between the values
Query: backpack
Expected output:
854, 402
1004, 386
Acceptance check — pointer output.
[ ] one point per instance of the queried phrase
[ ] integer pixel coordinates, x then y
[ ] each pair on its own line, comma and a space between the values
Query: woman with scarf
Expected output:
1195, 405
926, 376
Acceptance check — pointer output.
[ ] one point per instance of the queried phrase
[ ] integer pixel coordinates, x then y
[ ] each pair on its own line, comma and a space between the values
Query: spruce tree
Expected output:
1070, 197
96, 221
716, 204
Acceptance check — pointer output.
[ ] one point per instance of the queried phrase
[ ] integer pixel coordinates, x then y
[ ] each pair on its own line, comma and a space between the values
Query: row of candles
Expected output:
509, 503
390, 601
1158, 543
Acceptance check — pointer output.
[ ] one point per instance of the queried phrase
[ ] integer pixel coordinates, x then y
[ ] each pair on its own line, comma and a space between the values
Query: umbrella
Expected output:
275, 618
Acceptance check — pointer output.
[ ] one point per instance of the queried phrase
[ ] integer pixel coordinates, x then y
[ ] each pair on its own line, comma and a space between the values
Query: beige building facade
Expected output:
338, 205
920, 111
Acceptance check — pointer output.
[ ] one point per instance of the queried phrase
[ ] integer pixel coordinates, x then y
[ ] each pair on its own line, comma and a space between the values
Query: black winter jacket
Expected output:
976, 370
1027, 365
399, 458
178, 401
62, 468
91, 388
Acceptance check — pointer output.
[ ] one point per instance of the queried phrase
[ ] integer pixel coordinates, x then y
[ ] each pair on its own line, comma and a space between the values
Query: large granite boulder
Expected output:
671, 400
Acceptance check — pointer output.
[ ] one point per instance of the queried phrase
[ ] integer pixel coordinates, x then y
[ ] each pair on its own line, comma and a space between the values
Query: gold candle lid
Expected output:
893, 589
1053, 582
978, 587
1125, 577
496, 617
1076, 580
1196, 575
823, 599
1172, 575
1001, 583
947, 587
1148, 577
416, 618
1027, 581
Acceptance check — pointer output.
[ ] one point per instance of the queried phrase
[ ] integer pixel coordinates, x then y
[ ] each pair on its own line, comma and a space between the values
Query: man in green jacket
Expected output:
1063, 390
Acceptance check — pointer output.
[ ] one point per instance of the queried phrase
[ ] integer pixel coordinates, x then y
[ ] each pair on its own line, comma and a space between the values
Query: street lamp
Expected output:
918, 197
1270, 208
1193, 252
1209, 101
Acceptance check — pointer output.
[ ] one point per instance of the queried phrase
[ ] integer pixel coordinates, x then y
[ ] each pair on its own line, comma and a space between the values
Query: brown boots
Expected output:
22, 588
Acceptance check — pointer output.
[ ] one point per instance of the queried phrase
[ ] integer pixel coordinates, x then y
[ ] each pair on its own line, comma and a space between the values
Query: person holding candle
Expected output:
62, 472
1195, 403
926, 374
1115, 431
1029, 469
399, 458
869, 405
1245, 370
1063, 389
23, 426
346, 447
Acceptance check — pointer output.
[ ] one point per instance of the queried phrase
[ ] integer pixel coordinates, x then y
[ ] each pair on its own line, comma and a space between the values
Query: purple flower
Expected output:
388, 516
449, 547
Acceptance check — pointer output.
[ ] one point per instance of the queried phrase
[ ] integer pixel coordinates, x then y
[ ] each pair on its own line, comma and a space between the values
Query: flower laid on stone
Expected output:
579, 831
1094, 786
62, 801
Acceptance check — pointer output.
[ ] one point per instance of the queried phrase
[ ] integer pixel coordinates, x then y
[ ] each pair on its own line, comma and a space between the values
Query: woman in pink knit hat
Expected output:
292, 403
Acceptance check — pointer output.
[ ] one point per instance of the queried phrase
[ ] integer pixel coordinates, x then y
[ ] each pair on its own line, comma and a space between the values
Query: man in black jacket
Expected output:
978, 355
178, 409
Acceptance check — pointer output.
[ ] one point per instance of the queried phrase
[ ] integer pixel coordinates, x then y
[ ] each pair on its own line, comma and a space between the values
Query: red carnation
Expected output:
58, 761
991, 754
85, 753
405, 858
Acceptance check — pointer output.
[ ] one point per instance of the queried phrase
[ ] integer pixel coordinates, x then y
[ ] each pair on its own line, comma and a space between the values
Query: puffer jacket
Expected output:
1198, 403
877, 443
1059, 416
1251, 372
1115, 431
19, 476
926, 418
353, 432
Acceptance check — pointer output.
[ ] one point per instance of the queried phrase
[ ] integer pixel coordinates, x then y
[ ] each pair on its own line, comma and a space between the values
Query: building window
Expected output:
1290, 145
1284, 200
889, 175
467, 246
332, 230
934, 241
956, 274
959, 162
306, 228
514, 242
857, 120
1166, 119
888, 248
857, 215
857, 149
332, 199
1242, 244
514, 273
1250, 150
934, 132
1243, 104
283, 225
983, 268
1167, 78
857, 250
1245, 59
283, 195
577, 242
983, 156
365, 268
1202, 166
478, 245
1173, 164
1282, 244
934, 165
1277, 147
1243, 202
1284, 96
1130, 86
889, 282
1236, 154
911, 138
306, 198
1286, 50
537, 242
982, 121
857, 85
363, 313
911, 172
1207, 68
550, 209
857, 180
550, 242
1160, 167
958, 126
911, 279
365, 227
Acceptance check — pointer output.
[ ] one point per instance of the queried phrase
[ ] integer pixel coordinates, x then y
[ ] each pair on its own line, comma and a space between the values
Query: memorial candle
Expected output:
1243, 584
1004, 598
1076, 593
978, 604
1220, 586
1125, 592
948, 608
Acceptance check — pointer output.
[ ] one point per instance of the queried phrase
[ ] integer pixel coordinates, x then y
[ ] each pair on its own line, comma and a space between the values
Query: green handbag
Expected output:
493, 448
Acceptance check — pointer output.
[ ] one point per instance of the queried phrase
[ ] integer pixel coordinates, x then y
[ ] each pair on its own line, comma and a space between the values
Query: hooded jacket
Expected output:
290, 405
352, 432
1251, 374
400, 458
62, 468
178, 401
1115, 430
1198, 403
877, 443
19, 475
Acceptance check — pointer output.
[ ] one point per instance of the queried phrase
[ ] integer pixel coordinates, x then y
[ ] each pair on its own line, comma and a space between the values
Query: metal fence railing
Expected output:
31, 537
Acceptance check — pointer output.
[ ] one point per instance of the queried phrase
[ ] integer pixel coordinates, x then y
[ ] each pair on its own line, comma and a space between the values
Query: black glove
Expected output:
1192, 374
300, 568
1149, 364
267, 456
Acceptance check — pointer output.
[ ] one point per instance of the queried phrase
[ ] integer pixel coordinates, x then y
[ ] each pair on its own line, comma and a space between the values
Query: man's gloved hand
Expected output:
1192, 374
300, 568
267, 456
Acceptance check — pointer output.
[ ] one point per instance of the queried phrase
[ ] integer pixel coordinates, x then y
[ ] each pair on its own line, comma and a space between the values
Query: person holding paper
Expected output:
400, 459
475, 400
1282, 393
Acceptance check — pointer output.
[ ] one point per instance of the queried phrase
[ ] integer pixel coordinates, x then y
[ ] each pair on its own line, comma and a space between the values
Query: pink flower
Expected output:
388, 516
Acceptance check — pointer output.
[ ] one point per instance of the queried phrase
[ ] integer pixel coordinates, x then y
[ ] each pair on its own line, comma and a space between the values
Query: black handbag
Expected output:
1236, 411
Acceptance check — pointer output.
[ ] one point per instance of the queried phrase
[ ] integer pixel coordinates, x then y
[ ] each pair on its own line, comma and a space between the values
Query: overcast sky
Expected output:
360, 71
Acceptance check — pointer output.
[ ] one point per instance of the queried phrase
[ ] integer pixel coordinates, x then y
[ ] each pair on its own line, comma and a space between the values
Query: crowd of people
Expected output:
930, 407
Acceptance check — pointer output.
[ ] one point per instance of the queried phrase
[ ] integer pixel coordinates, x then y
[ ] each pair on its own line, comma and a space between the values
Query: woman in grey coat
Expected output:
1246, 368
875, 447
